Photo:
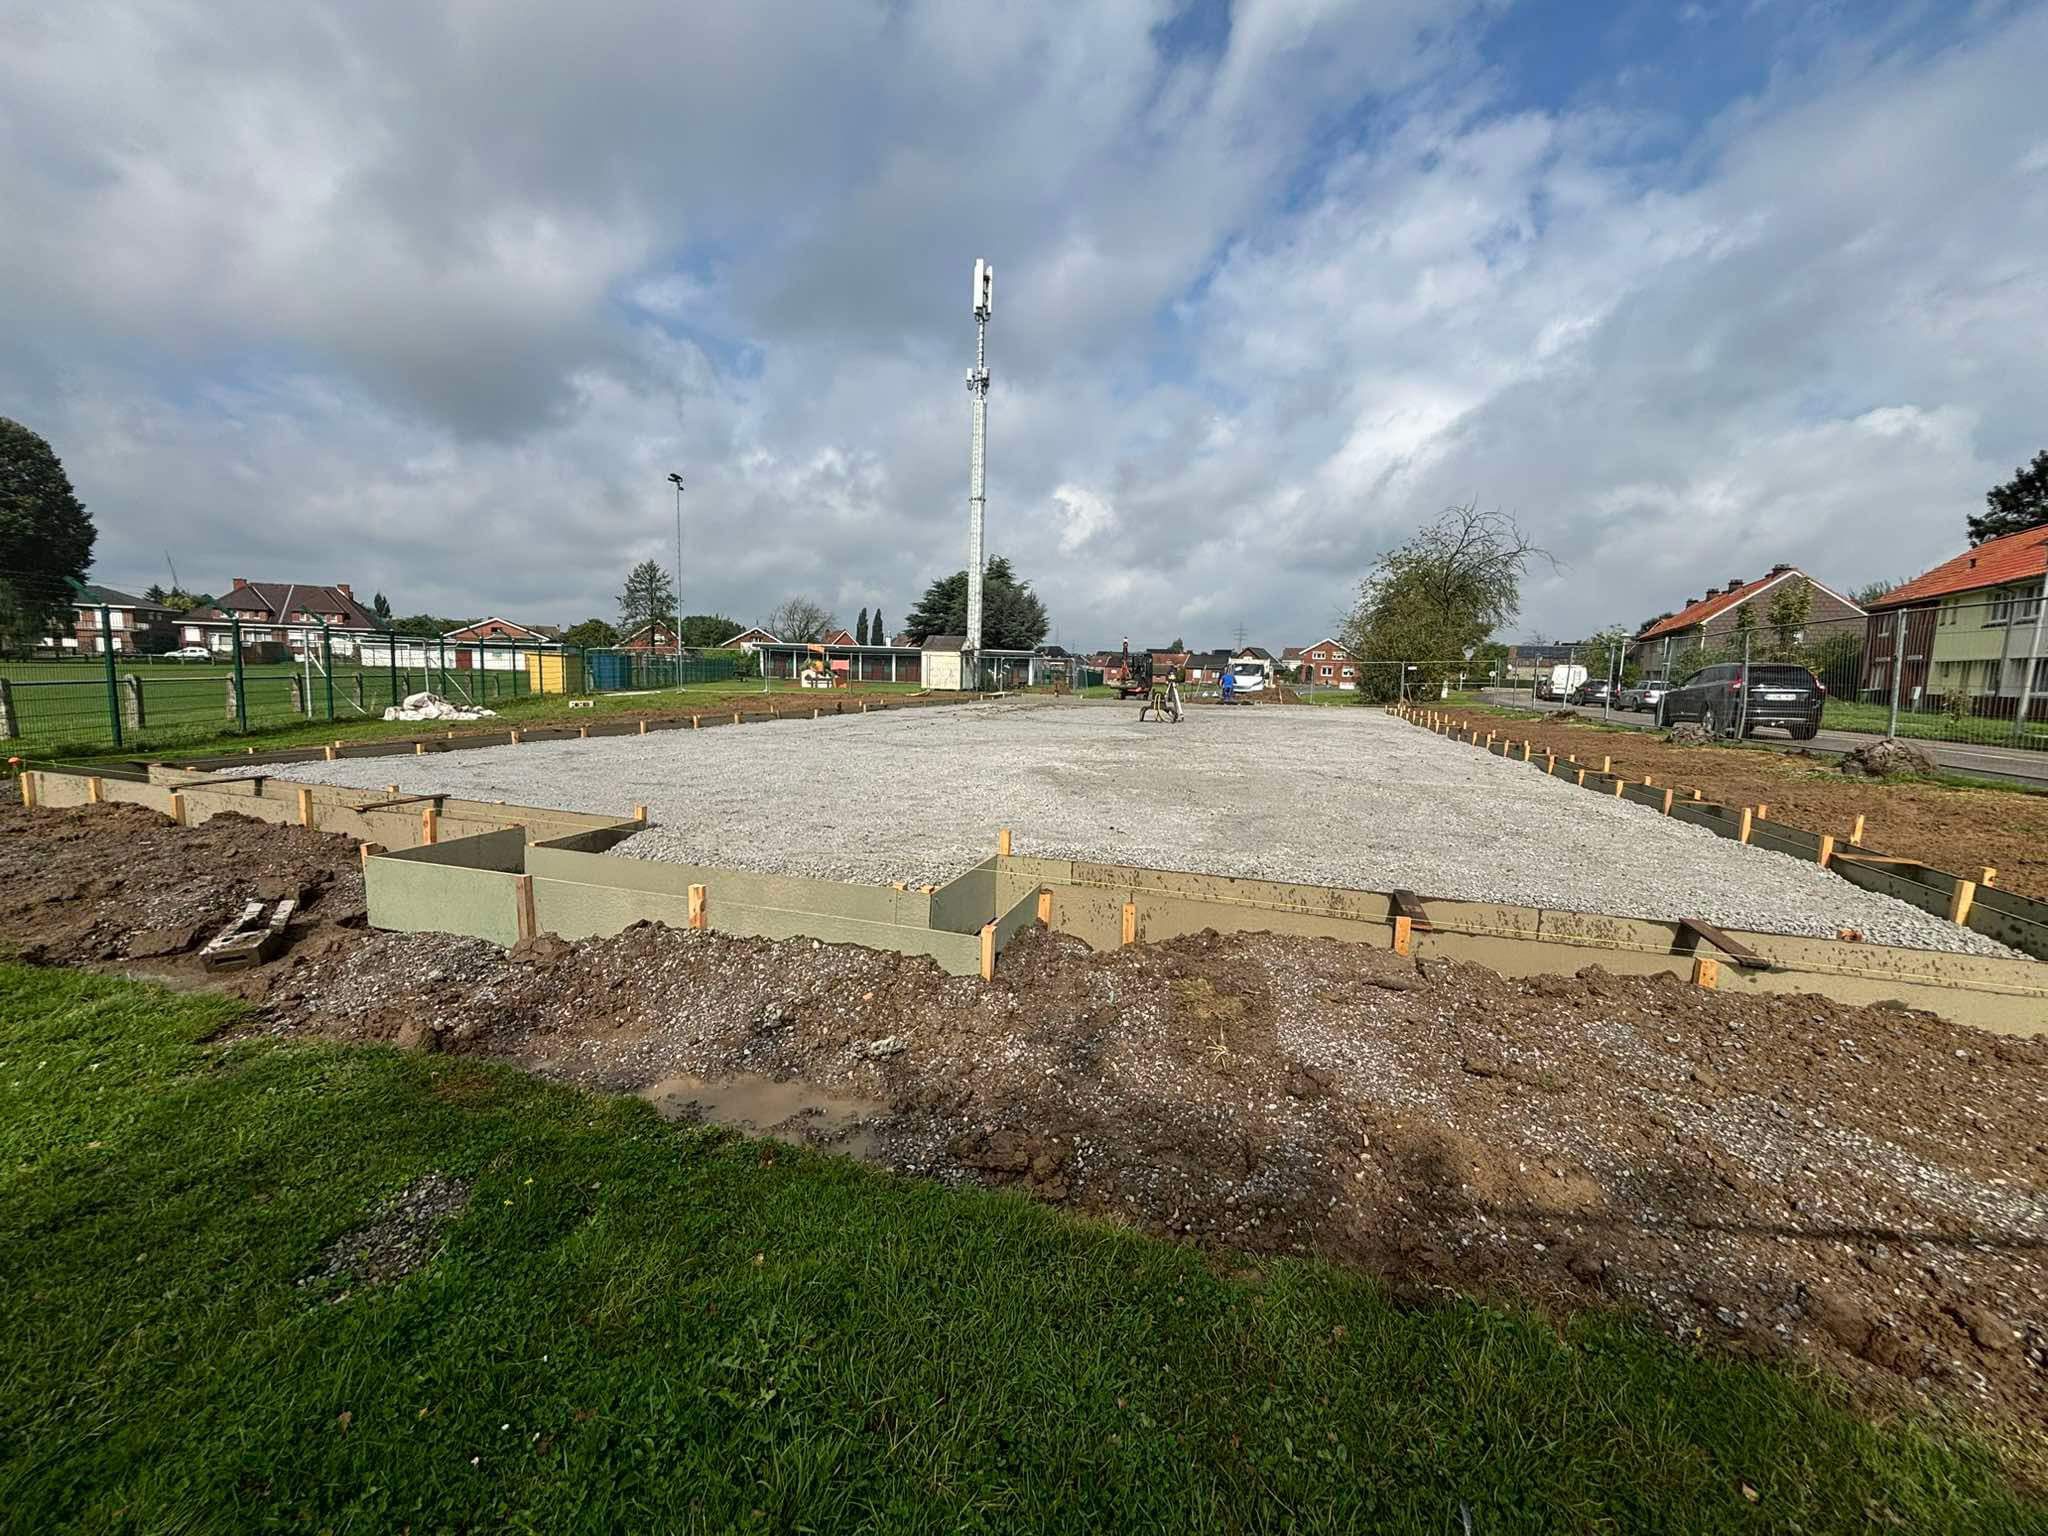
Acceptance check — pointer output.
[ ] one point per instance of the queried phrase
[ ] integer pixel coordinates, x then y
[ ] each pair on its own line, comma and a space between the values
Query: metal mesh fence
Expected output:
75, 692
616, 671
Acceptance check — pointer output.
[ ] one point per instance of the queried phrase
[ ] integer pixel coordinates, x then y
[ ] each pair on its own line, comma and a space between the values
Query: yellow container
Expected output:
555, 671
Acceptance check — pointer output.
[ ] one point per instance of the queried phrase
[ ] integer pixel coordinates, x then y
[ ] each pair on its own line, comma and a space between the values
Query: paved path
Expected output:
2017, 764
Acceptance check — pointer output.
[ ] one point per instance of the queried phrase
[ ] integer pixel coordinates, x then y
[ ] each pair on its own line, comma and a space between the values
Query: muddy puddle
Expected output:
791, 1111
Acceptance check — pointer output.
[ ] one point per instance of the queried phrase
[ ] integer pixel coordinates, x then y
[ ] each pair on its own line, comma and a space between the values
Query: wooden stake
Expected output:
643, 724
1648, 781
1003, 843
430, 825
988, 951
1525, 750
1959, 903
583, 733
735, 717
696, 723
1404, 934
1045, 908
28, 791
515, 738
1856, 834
177, 808
390, 789
697, 906
1762, 812
327, 753
368, 851
1130, 922
1667, 802
1827, 849
640, 813
1607, 765
1618, 783
1706, 972
305, 807
96, 792
1550, 764
1582, 778
1698, 795
1989, 878
1747, 813
419, 749
522, 894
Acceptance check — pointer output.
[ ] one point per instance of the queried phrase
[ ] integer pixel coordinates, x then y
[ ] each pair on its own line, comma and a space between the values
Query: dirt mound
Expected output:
1886, 759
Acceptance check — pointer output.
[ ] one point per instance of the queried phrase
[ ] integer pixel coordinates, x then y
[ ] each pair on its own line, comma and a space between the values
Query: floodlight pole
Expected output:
677, 481
977, 497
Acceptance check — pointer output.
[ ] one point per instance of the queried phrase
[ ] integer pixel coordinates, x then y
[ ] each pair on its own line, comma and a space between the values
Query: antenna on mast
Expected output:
977, 499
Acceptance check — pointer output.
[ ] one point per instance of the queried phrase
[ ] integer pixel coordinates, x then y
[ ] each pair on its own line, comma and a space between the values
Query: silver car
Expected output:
1647, 695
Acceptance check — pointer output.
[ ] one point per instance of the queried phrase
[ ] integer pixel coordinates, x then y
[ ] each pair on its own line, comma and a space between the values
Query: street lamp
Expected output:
677, 481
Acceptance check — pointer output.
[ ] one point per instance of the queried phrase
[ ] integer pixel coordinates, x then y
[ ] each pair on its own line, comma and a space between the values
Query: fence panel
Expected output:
616, 671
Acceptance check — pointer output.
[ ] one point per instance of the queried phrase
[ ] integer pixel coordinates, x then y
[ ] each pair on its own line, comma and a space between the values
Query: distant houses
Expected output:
1970, 632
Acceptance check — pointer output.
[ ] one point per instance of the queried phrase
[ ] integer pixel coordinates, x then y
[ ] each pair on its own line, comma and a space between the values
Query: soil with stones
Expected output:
1959, 830
1866, 1188
402, 1236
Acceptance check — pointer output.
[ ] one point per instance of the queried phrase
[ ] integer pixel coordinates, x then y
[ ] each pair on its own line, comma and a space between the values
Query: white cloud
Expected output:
432, 299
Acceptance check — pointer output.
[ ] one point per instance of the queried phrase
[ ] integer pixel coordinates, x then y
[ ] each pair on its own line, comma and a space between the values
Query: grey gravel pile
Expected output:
1321, 796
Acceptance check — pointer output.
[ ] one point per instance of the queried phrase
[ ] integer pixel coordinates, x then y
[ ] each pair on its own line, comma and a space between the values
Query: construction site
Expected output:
1386, 986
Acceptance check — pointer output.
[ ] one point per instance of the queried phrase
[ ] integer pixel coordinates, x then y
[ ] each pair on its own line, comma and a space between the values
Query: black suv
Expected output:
1721, 698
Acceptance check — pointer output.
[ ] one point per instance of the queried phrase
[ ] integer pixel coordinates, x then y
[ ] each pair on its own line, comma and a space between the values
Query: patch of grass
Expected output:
195, 740
640, 1325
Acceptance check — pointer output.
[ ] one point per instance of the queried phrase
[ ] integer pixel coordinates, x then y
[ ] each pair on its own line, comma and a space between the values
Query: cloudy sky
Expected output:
430, 297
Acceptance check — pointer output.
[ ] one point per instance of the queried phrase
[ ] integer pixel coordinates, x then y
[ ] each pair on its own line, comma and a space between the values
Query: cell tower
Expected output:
977, 499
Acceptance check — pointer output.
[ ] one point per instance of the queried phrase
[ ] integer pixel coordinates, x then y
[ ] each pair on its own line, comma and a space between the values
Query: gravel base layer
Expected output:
1319, 796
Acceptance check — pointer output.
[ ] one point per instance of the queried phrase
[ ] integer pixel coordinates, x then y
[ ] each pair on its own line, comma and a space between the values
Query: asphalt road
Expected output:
2013, 763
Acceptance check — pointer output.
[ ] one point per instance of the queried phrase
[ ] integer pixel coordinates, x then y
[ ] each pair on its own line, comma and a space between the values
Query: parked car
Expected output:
1594, 690
1644, 696
189, 653
1730, 696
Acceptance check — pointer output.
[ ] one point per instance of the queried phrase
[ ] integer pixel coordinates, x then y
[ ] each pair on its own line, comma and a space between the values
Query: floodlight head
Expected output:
984, 290
677, 479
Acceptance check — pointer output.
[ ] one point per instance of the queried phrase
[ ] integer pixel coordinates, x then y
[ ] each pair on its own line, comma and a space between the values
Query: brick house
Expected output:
1326, 664
753, 637
288, 613
136, 626
1973, 627
1715, 621
658, 637
504, 629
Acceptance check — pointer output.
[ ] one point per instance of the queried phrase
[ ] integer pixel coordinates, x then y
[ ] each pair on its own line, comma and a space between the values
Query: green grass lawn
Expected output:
642, 1326
204, 733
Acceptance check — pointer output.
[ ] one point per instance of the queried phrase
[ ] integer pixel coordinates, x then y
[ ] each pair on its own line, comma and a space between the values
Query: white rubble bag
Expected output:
431, 706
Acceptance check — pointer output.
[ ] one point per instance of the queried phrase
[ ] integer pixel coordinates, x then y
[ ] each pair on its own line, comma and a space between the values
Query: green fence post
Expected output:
241, 684
327, 664
391, 662
113, 688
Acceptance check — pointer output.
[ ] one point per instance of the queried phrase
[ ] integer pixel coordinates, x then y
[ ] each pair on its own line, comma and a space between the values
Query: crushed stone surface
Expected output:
402, 1236
1346, 797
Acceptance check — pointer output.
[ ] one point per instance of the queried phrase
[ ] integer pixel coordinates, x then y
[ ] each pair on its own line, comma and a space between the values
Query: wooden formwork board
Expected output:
2019, 922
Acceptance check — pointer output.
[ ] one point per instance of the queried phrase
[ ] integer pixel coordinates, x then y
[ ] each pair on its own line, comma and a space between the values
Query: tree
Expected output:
707, 631
878, 632
799, 621
427, 626
1434, 598
1871, 591
46, 539
591, 635
1790, 608
649, 597
2019, 504
1012, 617
154, 592
380, 608
860, 629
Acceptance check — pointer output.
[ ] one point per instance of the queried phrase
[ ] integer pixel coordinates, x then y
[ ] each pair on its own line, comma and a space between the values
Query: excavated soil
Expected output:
1865, 1188
1959, 830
